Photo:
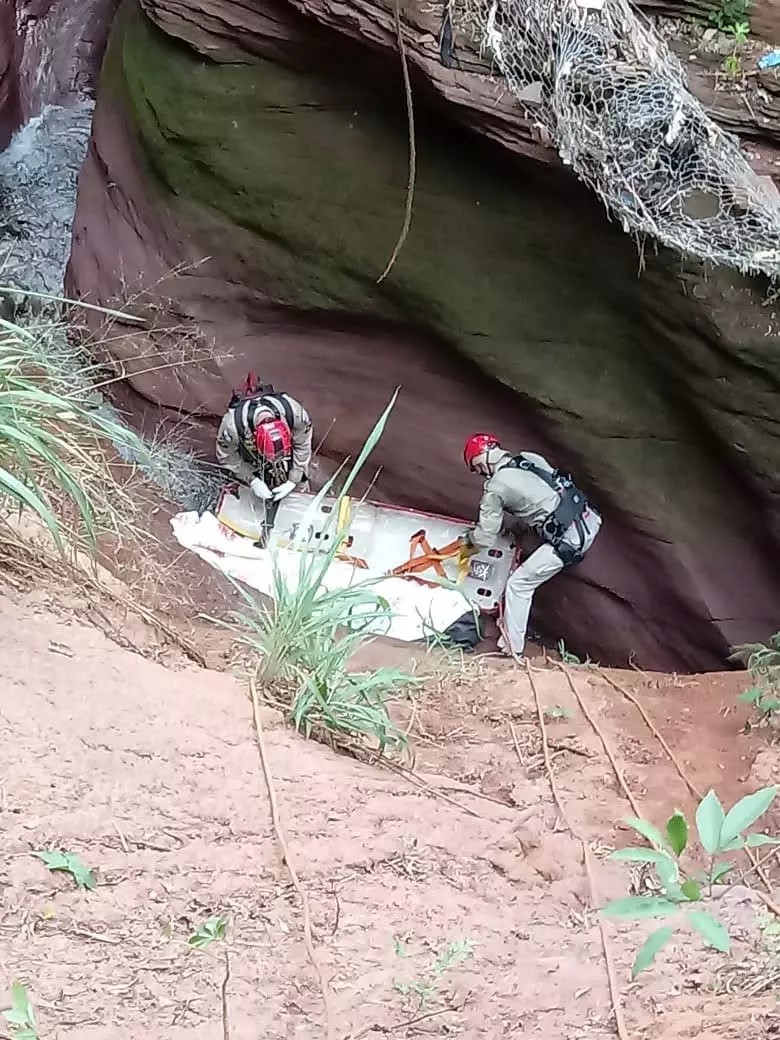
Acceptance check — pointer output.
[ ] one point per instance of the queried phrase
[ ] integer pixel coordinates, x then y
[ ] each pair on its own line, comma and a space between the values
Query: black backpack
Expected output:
256, 393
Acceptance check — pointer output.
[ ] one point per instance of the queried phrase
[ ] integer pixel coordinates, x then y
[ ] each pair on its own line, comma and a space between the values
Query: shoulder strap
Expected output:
550, 479
281, 405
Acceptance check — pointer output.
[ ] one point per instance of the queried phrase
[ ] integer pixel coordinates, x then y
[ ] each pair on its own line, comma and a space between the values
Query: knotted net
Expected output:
613, 98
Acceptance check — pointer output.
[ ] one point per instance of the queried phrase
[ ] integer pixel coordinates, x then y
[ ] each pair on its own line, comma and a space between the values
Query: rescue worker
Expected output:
264, 440
524, 490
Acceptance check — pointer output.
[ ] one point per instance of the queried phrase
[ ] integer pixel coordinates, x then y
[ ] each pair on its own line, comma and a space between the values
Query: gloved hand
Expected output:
283, 490
467, 546
260, 488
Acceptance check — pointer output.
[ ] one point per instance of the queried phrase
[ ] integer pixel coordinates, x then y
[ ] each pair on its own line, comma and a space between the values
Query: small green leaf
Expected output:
647, 830
719, 871
669, 874
733, 846
711, 930
751, 696
745, 813
637, 908
640, 856
15, 1017
213, 928
650, 949
21, 1016
677, 832
709, 820
755, 841
691, 889
68, 863
20, 998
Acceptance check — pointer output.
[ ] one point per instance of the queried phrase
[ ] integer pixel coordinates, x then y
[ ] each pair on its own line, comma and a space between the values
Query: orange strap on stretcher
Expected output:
430, 558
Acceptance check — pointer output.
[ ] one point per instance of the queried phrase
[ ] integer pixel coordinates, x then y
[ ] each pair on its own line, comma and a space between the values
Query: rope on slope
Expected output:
288, 862
614, 991
604, 743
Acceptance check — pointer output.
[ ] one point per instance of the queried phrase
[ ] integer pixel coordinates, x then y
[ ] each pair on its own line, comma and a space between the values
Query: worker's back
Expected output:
523, 493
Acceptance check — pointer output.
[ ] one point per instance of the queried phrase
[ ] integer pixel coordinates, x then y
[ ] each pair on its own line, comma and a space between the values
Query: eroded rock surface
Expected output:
262, 153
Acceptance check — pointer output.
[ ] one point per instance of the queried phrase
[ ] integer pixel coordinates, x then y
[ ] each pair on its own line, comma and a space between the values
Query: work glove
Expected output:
283, 490
467, 549
261, 489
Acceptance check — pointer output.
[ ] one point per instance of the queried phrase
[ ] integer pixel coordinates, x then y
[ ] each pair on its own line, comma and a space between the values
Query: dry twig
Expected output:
281, 838
225, 981
617, 1009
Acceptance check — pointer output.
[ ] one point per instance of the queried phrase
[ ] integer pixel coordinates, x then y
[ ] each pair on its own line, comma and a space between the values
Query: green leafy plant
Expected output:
306, 637
566, 657
21, 1015
719, 832
68, 863
213, 928
738, 32
426, 987
729, 13
763, 662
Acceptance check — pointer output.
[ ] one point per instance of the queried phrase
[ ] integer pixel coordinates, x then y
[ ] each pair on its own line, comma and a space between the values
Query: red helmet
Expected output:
478, 444
273, 440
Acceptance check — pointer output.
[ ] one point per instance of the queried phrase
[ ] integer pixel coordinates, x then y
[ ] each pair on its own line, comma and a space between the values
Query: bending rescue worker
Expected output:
264, 440
537, 497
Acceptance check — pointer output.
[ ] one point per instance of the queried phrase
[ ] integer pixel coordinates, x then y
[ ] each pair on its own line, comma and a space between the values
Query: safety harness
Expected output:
255, 396
570, 510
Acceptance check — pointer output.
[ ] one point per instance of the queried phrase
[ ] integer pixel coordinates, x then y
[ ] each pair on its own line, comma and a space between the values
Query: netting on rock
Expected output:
613, 99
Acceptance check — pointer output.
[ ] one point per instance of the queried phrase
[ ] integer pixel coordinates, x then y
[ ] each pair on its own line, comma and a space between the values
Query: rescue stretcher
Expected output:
418, 546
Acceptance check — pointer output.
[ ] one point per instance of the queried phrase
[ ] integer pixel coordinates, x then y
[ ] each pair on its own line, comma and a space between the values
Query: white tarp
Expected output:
416, 611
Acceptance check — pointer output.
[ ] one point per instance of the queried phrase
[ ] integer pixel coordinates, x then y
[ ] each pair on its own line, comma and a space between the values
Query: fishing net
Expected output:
612, 97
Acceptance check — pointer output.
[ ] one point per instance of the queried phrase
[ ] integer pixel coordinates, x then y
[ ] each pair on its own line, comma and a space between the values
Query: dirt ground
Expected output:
147, 767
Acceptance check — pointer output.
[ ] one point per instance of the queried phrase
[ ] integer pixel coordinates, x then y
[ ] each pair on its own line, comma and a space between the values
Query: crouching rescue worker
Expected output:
264, 440
535, 496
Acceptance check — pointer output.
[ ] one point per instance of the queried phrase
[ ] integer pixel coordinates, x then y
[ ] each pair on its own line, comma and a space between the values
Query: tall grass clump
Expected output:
306, 637
55, 446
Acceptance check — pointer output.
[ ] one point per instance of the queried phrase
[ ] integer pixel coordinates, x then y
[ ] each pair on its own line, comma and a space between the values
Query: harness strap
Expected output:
277, 403
282, 407
571, 506
242, 431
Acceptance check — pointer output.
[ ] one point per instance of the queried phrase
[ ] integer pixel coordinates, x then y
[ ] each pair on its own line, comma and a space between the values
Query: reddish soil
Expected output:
152, 775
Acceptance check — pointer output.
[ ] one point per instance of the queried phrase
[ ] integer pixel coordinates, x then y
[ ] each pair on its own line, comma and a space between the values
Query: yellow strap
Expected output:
345, 515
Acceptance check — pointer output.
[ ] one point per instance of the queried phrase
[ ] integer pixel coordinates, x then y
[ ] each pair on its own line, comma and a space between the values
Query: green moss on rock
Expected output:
512, 272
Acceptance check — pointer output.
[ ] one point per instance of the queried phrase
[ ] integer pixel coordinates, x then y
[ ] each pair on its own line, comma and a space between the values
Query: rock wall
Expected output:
263, 156
9, 107
50, 53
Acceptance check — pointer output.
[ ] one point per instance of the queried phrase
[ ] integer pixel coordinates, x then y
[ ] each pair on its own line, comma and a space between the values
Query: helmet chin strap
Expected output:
493, 456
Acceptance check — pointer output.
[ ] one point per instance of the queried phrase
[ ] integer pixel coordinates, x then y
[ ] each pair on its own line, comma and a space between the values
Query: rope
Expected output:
412, 149
600, 734
614, 991
281, 838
